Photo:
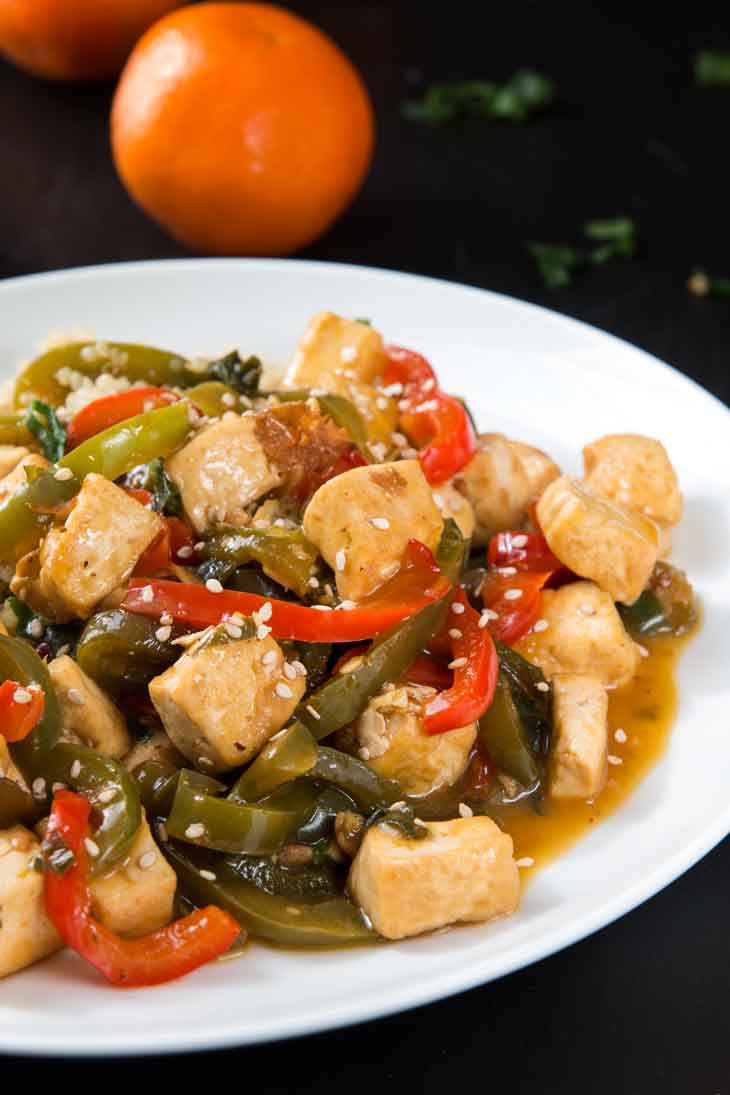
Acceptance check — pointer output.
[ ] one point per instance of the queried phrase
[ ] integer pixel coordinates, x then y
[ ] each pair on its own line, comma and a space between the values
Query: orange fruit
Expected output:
75, 39
241, 128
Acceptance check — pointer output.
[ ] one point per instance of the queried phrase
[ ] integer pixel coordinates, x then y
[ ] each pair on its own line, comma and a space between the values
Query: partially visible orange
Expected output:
241, 128
75, 40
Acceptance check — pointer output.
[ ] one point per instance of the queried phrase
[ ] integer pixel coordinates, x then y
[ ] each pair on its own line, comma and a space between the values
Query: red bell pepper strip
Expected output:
165, 550
515, 616
18, 714
171, 952
524, 550
429, 671
110, 409
418, 583
474, 682
437, 422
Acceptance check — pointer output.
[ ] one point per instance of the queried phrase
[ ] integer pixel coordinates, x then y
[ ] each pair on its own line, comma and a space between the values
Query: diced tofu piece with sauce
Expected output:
462, 872
136, 897
332, 345
636, 471
611, 544
539, 468
222, 700
362, 520
584, 634
87, 711
10, 457
95, 551
26, 933
389, 735
157, 747
18, 478
222, 471
579, 750
452, 503
498, 487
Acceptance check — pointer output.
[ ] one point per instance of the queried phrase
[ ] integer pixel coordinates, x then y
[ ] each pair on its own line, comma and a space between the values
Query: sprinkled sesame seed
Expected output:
213, 586
283, 691
91, 846
588, 610
323, 608
265, 611
364, 753
262, 631
457, 608
512, 594
381, 403
38, 787
269, 657
199, 546
228, 399
393, 389
347, 606
63, 475
58, 786
147, 594
519, 541
526, 861
340, 560
165, 619
465, 811
233, 630
206, 762
237, 618
162, 832
439, 500
540, 625
420, 823
313, 712
185, 551
643, 651
348, 354
380, 522
300, 668
195, 830
457, 663
542, 686
507, 572
289, 671
620, 736
76, 697
35, 627
313, 583
76, 769
21, 695
163, 634
614, 760
454, 633
106, 795
146, 860
209, 876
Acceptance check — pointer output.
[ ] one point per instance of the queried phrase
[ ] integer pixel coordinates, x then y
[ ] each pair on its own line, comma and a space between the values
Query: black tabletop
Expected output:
640, 1007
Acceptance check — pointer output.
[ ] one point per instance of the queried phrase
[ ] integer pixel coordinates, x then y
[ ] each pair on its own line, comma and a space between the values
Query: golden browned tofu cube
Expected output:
579, 750
136, 897
87, 711
331, 347
635, 471
17, 478
221, 701
580, 631
462, 872
613, 545
222, 471
389, 735
97, 549
26, 933
497, 485
10, 457
362, 520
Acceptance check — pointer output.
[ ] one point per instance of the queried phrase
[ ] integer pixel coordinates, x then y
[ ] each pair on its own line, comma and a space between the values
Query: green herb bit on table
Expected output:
700, 284
712, 68
525, 93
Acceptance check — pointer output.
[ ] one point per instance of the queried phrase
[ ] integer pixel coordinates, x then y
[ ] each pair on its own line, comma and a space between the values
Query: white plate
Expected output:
529, 373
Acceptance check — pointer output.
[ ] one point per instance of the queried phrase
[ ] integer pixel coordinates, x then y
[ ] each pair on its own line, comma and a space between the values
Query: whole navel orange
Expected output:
241, 128
75, 40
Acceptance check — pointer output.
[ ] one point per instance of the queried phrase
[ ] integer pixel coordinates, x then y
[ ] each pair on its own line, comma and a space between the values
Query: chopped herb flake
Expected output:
242, 376
556, 263
616, 238
43, 423
525, 93
712, 68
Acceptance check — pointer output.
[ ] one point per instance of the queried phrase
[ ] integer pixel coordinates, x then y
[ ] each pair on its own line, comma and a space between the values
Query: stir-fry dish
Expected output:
286, 659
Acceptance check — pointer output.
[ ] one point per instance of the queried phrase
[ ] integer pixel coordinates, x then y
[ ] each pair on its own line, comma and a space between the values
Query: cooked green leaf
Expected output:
712, 68
43, 423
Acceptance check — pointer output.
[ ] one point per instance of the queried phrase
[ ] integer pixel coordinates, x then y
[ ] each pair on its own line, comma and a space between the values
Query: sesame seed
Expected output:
283, 691
457, 663
163, 634
185, 551
162, 832
265, 611
381, 403
454, 633
106, 795
364, 753
465, 811
588, 610
526, 861
269, 657
75, 771
39, 787
439, 500
457, 608
76, 697
643, 651
146, 860
262, 631
63, 475
313, 583
209, 876
540, 625
420, 823
199, 546
400, 805
614, 760
213, 586
195, 830
237, 619
313, 712
348, 354
35, 627
519, 541
228, 399
91, 846
323, 608
507, 572
347, 606
206, 762
620, 736
512, 594
289, 671
21, 695
233, 630
340, 559
380, 522
393, 389
58, 786
487, 615
165, 619
542, 686
300, 668
147, 594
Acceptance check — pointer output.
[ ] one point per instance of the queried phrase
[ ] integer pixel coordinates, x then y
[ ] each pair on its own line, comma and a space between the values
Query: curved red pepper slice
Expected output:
527, 551
418, 583
171, 952
515, 615
110, 409
18, 716
474, 682
427, 670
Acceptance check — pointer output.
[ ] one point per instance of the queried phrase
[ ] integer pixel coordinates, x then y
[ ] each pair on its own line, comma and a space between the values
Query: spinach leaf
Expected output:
241, 375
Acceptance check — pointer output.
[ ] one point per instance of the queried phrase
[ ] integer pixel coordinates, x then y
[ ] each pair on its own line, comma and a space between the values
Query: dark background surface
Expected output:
641, 1007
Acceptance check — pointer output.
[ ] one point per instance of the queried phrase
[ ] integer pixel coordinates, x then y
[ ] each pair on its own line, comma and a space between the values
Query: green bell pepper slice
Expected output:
13, 430
369, 790
666, 607
276, 918
117, 648
289, 754
285, 555
17, 806
502, 734
157, 783
19, 662
213, 398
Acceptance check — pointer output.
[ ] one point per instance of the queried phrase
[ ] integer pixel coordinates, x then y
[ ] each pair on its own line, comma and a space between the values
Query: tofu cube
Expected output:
498, 487
26, 933
635, 471
17, 478
222, 701
96, 550
136, 897
462, 872
222, 471
87, 711
389, 735
157, 747
362, 520
10, 457
332, 346
584, 634
578, 757
611, 544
